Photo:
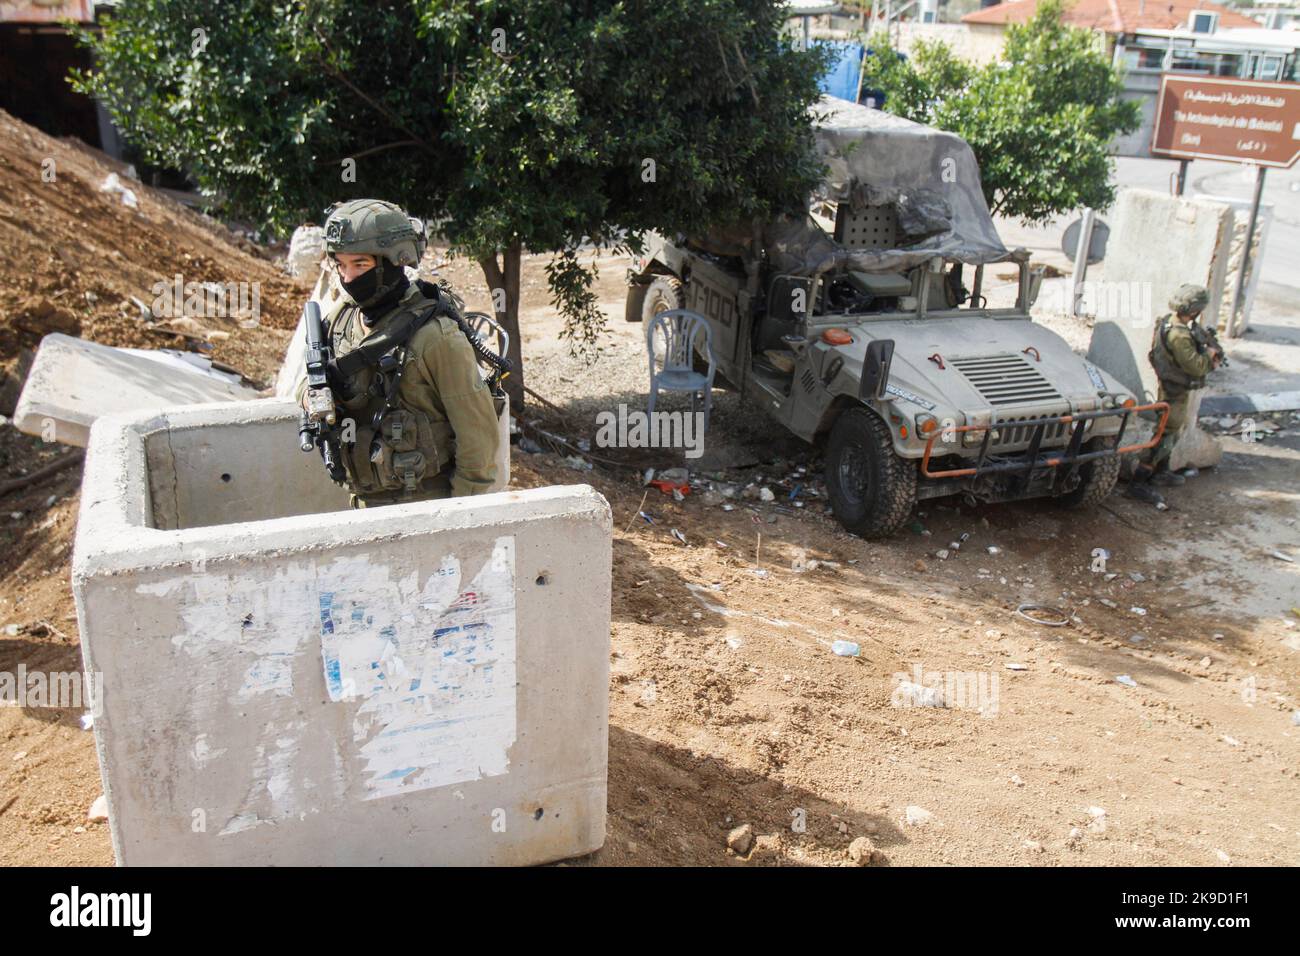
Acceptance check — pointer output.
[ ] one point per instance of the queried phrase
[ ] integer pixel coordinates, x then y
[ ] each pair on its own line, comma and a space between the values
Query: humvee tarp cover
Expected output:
874, 158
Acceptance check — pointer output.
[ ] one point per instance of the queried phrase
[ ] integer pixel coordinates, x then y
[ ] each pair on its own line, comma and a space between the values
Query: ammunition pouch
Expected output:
399, 455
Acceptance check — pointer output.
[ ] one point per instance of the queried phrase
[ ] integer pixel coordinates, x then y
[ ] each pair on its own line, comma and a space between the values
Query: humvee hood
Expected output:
972, 365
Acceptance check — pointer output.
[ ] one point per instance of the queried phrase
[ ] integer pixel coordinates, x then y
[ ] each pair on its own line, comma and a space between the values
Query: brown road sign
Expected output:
1243, 121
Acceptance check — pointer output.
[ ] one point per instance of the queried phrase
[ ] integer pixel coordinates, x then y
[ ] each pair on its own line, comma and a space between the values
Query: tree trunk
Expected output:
503, 286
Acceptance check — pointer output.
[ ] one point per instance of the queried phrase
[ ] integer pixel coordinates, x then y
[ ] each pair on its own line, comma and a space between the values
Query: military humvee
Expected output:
853, 328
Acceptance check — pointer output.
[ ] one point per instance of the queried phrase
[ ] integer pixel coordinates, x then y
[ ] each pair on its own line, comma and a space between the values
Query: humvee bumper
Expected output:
1033, 458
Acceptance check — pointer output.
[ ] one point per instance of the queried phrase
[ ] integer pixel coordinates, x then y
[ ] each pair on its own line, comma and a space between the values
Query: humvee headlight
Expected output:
1108, 402
926, 424
1130, 402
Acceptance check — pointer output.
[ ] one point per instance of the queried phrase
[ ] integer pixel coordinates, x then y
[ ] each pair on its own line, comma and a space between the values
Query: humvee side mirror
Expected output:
875, 369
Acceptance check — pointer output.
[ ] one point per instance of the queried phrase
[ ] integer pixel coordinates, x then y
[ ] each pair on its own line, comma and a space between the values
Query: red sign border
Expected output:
1225, 80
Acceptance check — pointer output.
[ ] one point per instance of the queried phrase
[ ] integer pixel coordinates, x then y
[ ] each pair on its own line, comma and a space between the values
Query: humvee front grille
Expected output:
1006, 380
1010, 431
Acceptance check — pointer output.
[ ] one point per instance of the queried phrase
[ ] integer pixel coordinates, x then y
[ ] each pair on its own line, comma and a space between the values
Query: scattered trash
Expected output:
1017, 667
1205, 661
679, 536
1098, 822
1295, 717
720, 544
993, 549
529, 446
112, 184
1110, 576
646, 517
1139, 611
1191, 472
845, 648
942, 554
1137, 577
1223, 856
99, 809
728, 507
578, 463
1231, 741
917, 695
765, 494
1025, 609
671, 488
794, 492
954, 545
1218, 637
87, 721
917, 816
20, 755
645, 479
1283, 557
1125, 680
1107, 601
1137, 638
1161, 506
677, 475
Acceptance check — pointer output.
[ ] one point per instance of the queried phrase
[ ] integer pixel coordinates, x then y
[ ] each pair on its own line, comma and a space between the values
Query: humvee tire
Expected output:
663, 293
872, 490
1098, 478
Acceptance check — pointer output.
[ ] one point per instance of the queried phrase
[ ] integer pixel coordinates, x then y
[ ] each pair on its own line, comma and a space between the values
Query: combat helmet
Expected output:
1189, 299
380, 229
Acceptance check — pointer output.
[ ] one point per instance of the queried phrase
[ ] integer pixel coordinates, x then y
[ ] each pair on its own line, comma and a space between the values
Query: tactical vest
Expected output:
396, 450
1172, 376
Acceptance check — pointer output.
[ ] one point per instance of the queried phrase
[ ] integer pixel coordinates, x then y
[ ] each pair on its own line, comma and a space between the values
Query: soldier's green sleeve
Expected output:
450, 363
1183, 348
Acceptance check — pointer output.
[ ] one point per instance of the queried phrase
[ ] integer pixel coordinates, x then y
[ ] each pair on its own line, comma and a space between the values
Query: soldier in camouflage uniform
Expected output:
1183, 354
425, 420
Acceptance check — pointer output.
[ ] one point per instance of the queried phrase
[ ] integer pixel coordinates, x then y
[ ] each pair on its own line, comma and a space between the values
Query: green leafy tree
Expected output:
1040, 121
509, 124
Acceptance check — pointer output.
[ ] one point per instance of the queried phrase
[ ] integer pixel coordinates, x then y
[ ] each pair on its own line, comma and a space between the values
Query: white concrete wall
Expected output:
415, 684
1157, 243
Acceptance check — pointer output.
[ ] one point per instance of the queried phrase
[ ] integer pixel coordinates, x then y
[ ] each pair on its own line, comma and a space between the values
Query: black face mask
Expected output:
363, 287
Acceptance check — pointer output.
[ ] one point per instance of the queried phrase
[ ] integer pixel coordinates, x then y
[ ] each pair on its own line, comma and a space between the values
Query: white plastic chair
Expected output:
679, 329
484, 326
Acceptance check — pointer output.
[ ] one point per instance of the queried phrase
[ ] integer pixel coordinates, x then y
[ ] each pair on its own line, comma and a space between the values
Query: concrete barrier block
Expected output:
73, 382
279, 683
1157, 243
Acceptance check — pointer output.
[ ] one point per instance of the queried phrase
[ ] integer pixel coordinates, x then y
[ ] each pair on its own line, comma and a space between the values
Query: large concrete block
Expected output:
280, 683
73, 382
1157, 243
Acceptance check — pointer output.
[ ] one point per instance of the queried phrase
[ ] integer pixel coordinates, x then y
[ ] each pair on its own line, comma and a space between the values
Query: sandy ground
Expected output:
728, 707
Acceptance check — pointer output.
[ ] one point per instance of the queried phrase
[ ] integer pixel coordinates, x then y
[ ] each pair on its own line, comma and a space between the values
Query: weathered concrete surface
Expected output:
73, 382
1157, 243
415, 684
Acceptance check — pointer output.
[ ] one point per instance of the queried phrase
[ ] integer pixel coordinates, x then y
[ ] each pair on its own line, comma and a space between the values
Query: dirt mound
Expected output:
83, 260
